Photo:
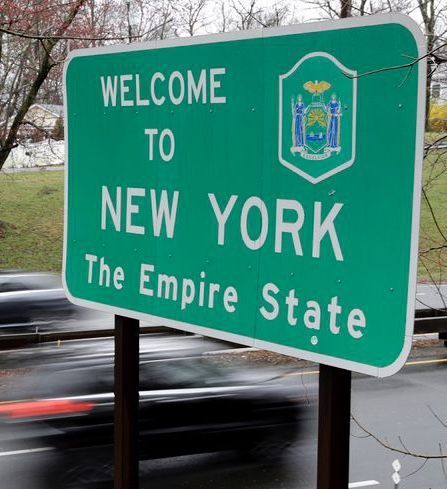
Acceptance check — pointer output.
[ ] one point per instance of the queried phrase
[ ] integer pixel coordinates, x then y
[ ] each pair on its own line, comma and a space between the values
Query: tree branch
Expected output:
39, 37
395, 449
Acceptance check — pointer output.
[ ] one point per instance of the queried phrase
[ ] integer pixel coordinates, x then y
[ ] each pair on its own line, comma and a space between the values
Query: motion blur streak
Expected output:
44, 408
191, 403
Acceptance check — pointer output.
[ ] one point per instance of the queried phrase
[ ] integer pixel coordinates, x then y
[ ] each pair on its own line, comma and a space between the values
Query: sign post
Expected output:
260, 187
334, 421
126, 402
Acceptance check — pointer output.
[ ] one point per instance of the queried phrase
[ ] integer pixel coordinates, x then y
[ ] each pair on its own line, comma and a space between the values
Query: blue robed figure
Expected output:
298, 113
333, 132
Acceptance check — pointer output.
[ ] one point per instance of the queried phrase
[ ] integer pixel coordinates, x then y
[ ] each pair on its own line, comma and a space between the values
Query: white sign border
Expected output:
350, 23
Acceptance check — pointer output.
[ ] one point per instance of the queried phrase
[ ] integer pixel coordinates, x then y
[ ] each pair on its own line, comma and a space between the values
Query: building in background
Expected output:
43, 121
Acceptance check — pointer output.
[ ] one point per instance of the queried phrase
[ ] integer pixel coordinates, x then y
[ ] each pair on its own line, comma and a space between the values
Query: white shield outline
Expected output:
338, 168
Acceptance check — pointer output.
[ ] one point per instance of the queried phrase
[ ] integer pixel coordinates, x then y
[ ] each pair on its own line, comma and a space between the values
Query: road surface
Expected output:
398, 410
431, 296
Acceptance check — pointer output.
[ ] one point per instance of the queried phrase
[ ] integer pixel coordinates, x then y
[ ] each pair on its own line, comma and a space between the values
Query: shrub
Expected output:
438, 118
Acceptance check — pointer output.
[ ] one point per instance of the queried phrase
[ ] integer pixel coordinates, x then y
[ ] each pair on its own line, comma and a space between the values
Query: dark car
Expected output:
188, 405
18, 280
30, 300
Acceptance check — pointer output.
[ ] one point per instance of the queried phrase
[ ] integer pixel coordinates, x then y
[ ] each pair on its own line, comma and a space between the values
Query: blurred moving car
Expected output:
30, 300
17, 280
188, 404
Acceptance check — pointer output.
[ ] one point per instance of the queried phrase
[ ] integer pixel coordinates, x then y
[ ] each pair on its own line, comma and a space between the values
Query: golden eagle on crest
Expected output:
317, 87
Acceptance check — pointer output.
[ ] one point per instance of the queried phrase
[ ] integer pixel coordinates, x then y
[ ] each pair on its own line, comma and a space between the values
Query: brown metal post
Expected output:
126, 402
334, 421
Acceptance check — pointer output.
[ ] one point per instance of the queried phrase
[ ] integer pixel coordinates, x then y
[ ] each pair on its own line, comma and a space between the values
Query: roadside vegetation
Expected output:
433, 230
31, 220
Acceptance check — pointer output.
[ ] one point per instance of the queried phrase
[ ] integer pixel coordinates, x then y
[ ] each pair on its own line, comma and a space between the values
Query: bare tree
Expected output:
244, 15
145, 19
346, 8
223, 18
189, 15
434, 20
26, 63
350, 8
275, 15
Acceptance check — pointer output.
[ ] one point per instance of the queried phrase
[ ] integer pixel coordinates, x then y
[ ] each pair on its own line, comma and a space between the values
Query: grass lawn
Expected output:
433, 231
31, 220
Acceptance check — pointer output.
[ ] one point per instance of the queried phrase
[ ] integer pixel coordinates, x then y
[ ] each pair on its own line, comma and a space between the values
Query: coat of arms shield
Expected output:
317, 117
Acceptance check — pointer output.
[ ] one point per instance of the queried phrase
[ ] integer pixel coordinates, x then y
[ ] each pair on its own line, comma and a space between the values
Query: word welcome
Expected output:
129, 90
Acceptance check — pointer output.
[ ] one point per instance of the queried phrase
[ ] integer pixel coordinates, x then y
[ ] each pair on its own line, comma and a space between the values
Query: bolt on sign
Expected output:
261, 187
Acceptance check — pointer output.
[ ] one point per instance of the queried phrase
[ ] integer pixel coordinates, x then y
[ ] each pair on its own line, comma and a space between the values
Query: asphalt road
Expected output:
397, 410
431, 296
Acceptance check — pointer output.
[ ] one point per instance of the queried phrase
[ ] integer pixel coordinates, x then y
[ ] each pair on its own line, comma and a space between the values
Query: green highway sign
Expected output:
261, 187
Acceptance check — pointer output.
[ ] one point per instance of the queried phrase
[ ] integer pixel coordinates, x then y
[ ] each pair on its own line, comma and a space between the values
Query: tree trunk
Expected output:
44, 68
10, 141
346, 9
428, 96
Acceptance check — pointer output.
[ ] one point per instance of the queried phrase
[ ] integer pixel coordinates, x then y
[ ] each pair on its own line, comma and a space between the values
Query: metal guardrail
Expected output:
426, 321
430, 321
431, 325
12, 341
